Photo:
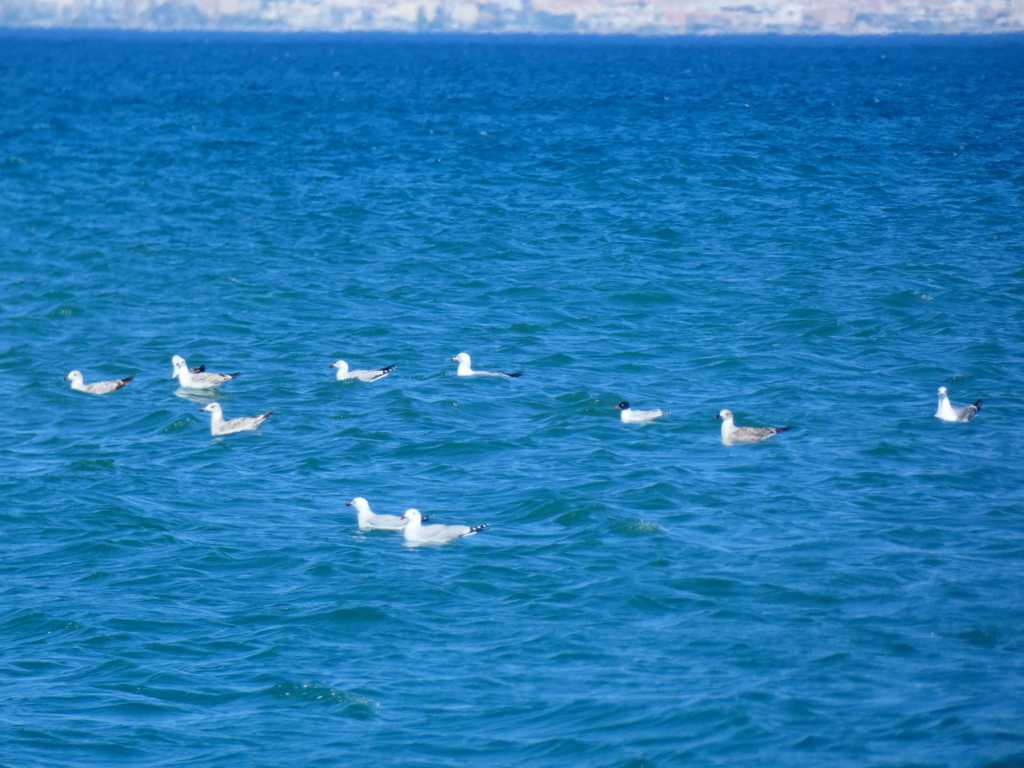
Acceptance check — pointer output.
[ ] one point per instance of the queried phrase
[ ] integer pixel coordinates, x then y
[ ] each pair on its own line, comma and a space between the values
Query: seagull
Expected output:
632, 417
466, 370
242, 424
370, 521
197, 378
733, 434
371, 375
949, 412
416, 533
99, 388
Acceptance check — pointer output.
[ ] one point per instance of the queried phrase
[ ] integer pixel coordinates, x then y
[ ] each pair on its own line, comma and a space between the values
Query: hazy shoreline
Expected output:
657, 18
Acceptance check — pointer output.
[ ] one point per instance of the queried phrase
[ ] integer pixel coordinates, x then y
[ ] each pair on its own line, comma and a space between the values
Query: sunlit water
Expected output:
810, 233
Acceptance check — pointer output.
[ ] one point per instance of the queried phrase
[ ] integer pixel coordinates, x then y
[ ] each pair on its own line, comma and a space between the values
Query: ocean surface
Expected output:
815, 233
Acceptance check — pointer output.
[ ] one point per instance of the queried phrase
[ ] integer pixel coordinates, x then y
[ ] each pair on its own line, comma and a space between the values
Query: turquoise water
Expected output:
817, 234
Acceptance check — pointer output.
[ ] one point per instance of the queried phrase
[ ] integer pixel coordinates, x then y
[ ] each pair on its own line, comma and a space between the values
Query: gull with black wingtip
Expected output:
220, 426
466, 368
949, 412
733, 434
197, 378
416, 533
374, 374
371, 521
99, 388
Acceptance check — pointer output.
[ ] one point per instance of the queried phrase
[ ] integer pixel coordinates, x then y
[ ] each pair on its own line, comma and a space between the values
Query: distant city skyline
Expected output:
603, 17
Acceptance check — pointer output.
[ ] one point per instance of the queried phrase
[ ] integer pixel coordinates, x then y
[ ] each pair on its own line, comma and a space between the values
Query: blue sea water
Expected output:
817, 233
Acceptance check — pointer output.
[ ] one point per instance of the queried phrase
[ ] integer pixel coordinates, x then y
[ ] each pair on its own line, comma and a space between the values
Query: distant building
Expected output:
603, 17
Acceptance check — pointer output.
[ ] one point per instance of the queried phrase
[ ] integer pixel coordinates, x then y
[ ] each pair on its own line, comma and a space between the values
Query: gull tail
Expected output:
514, 375
782, 429
118, 383
977, 405
477, 529
379, 373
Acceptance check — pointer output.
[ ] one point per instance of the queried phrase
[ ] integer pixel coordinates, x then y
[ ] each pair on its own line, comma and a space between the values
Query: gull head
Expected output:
178, 362
212, 408
725, 414
942, 392
462, 357
74, 376
361, 504
412, 515
622, 406
341, 365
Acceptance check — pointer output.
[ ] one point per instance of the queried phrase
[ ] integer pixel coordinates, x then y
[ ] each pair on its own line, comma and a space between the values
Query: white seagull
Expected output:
99, 388
949, 412
197, 378
416, 533
242, 424
371, 521
733, 434
465, 369
371, 375
633, 417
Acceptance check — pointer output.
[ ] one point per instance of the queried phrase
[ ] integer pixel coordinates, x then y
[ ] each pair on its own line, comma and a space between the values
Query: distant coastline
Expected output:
568, 17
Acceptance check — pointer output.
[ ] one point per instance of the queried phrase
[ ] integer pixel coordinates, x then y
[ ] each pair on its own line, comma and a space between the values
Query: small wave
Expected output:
352, 704
637, 527
179, 425
64, 312
90, 465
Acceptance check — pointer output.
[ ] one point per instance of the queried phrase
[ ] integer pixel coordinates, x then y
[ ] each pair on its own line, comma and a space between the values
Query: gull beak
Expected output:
333, 366
718, 415
350, 503
454, 360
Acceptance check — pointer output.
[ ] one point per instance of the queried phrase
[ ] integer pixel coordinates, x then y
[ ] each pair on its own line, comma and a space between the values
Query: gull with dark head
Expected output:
416, 533
632, 416
99, 388
733, 434
197, 378
373, 374
218, 426
466, 369
949, 412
